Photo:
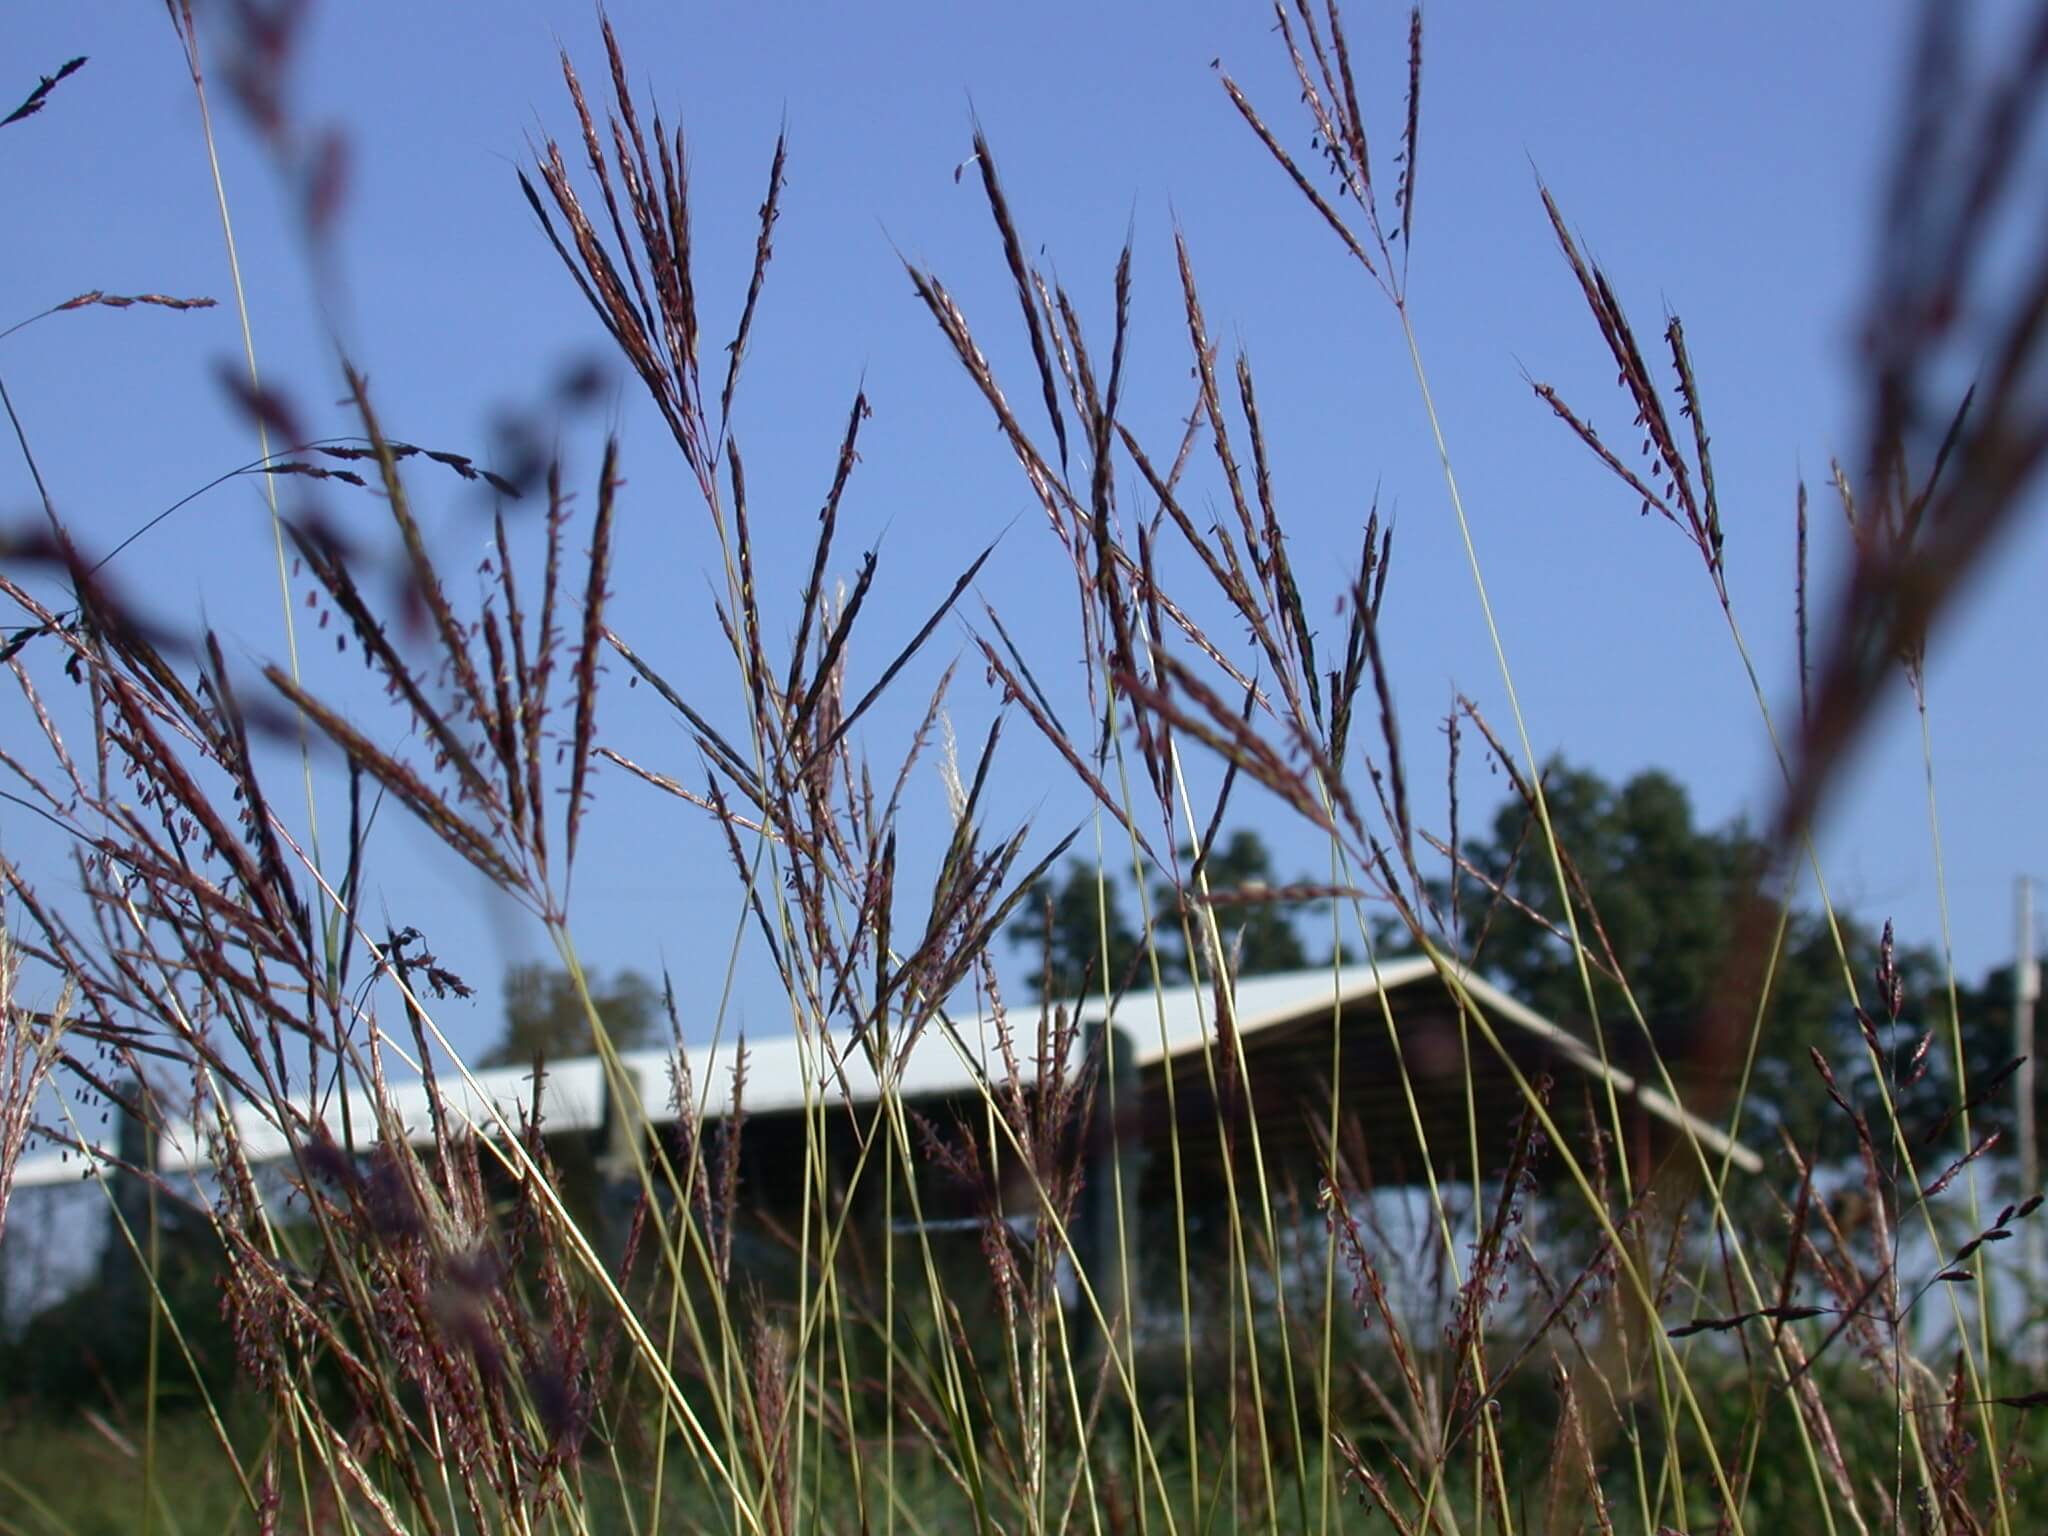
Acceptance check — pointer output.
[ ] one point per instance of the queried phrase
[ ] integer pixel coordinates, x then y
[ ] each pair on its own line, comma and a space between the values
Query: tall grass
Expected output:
1539, 1332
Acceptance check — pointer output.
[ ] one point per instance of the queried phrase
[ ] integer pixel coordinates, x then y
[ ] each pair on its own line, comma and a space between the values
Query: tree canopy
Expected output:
1668, 894
1068, 926
545, 1019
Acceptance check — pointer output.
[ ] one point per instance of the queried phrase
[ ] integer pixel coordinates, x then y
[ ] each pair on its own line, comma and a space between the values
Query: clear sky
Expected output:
1720, 160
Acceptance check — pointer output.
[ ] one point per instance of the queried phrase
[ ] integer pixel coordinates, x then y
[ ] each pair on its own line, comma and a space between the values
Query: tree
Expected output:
1984, 1012
1258, 936
1668, 894
1063, 926
545, 1019
1664, 891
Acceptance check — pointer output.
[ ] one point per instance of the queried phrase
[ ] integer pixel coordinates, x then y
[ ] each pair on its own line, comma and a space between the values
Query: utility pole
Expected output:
2026, 986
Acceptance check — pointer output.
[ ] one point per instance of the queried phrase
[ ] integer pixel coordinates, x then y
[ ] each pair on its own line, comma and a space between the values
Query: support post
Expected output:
618, 1171
135, 1144
1106, 1219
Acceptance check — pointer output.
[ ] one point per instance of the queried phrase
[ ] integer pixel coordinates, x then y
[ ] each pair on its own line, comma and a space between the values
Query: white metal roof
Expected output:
47, 1168
785, 1073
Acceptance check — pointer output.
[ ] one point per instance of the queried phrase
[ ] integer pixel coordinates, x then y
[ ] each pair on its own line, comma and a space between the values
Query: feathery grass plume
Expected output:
826, 678
1228, 583
1362, 605
725, 1200
721, 752
29, 1051
658, 336
1664, 458
902, 658
474, 843
1573, 1443
1013, 253
425, 587
39, 98
1049, 488
99, 298
751, 656
501, 728
828, 523
398, 451
771, 210
1404, 195
380, 654
1212, 408
593, 633
269, 411
1329, 92
107, 300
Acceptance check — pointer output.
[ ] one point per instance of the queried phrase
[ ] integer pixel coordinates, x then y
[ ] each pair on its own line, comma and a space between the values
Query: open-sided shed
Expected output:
1265, 1056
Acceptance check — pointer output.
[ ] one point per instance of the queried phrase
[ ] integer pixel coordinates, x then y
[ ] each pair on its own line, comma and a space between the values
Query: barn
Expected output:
1184, 1089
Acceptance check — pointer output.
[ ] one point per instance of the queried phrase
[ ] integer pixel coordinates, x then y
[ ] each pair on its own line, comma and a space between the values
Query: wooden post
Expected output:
135, 1144
1105, 1228
618, 1170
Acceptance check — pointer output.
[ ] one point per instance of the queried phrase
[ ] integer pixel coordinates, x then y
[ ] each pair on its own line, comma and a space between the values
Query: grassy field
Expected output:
431, 1339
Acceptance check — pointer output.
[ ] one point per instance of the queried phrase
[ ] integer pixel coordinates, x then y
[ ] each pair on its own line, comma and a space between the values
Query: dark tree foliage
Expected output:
1665, 892
544, 1015
1669, 895
90, 1349
1062, 929
1062, 926
1984, 1012
1258, 936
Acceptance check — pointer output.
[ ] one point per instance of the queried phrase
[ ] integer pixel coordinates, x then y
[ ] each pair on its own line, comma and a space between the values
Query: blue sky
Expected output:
1718, 160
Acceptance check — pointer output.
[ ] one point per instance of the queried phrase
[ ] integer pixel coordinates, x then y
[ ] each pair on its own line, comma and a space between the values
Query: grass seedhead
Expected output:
1013, 253
39, 98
